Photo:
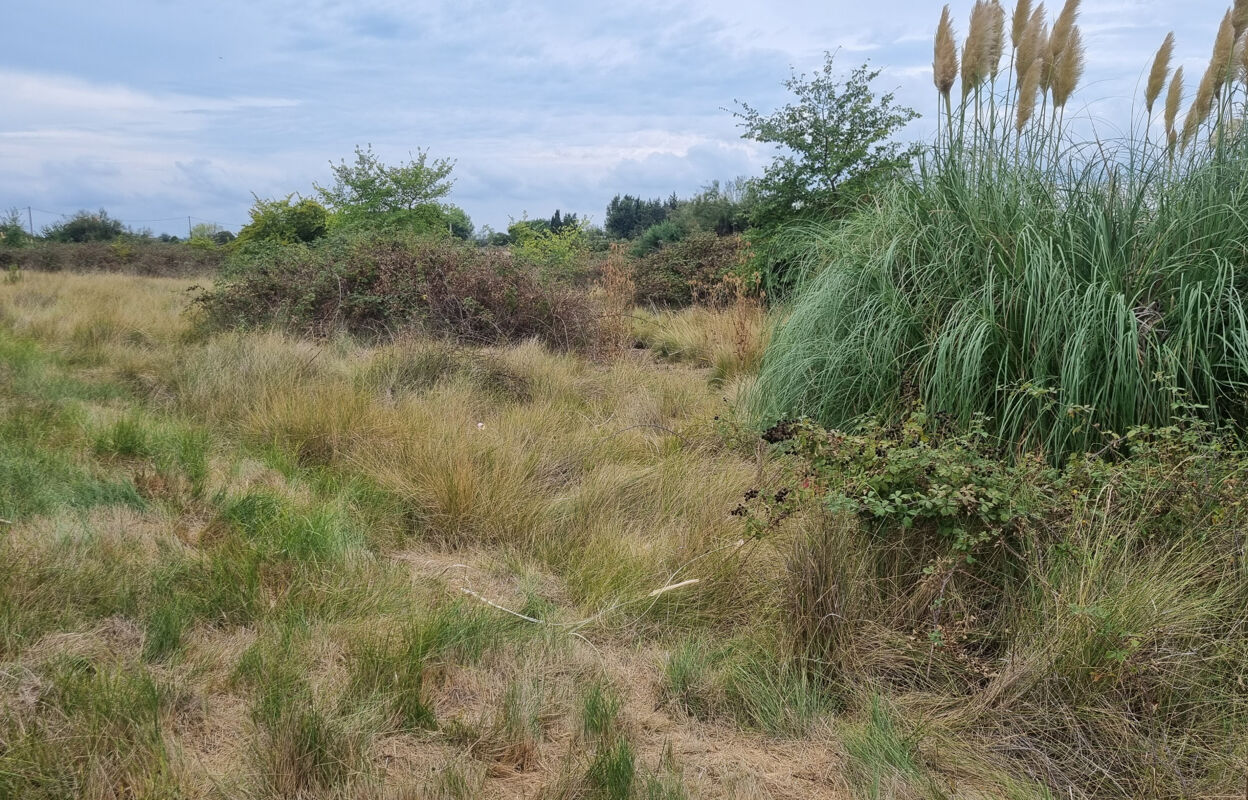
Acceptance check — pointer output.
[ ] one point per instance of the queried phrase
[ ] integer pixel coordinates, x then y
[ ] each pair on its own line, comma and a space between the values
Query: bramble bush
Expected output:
677, 273
1087, 613
131, 255
382, 283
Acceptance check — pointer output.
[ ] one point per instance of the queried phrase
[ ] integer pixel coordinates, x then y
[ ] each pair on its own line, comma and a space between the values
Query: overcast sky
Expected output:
157, 109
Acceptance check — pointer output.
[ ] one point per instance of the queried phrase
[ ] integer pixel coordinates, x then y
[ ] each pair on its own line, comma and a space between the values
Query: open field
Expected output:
249, 565
929, 488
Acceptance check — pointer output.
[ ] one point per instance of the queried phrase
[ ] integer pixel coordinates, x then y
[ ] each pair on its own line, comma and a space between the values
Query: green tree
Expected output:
85, 227
628, 216
722, 208
458, 221
835, 142
558, 255
285, 222
12, 232
367, 186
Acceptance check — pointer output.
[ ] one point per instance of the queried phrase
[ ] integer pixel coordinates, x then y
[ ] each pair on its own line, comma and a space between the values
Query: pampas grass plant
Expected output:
1061, 289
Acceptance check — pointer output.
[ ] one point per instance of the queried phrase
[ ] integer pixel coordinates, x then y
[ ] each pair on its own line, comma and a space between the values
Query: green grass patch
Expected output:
93, 731
743, 681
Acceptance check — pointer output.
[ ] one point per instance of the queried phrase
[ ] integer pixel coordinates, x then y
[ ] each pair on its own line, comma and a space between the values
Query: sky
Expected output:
158, 110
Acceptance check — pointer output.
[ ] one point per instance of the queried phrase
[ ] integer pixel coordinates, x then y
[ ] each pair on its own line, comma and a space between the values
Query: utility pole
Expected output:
188, 229
30, 221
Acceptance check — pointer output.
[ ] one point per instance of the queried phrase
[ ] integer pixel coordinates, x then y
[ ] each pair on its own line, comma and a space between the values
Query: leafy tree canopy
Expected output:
367, 186
285, 222
628, 216
835, 141
12, 232
85, 227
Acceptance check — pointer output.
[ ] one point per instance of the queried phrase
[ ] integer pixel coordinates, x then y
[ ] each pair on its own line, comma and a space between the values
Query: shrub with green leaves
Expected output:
1085, 615
85, 226
678, 273
380, 284
284, 221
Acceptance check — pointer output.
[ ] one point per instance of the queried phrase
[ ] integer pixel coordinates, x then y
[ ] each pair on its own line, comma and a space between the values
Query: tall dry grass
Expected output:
296, 543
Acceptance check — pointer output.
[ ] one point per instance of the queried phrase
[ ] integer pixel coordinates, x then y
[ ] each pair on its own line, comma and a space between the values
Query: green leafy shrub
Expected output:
136, 256
12, 232
284, 222
557, 254
679, 273
378, 284
1071, 616
85, 227
657, 236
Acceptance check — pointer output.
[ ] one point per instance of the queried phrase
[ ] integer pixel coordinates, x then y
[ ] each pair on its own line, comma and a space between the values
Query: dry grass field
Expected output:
248, 565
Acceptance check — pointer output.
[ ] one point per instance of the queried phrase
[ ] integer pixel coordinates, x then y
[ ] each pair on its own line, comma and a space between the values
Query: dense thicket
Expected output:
386, 283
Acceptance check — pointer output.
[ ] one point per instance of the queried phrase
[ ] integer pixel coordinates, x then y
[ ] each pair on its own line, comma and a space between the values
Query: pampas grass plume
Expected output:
1029, 46
1239, 17
994, 48
1174, 97
1223, 53
975, 48
1069, 68
945, 55
1022, 18
1027, 95
1160, 71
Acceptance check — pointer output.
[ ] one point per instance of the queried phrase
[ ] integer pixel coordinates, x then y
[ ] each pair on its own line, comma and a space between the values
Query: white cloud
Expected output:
44, 99
543, 104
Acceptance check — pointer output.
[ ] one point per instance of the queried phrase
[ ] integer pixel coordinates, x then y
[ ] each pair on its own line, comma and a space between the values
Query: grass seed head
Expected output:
1160, 71
1220, 64
996, 38
945, 55
1020, 20
1241, 59
1032, 41
1045, 59
1174, 97
1062, 29
1239, 17
975, 48
1203, 104
1027, 95
1069, 68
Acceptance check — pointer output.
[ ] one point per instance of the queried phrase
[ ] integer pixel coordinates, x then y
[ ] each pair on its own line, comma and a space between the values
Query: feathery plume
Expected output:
974, 48
1160, 71
1046, 59
1069, 68
1223, 53
1029, 46
1174, 97
1242, 58
994, 48
945, 55
1190, 124
1022, 17
1027, 95
1062, 27
1203, 104
1201, 107
1239, 17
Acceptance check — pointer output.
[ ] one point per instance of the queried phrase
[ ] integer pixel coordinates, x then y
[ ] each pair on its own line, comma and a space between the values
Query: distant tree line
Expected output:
98, 226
